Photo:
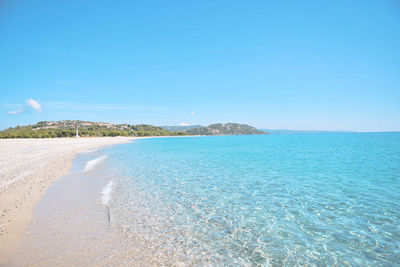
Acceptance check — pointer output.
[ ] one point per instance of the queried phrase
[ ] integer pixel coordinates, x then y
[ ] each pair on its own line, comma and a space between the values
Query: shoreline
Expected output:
74, 223
27, 168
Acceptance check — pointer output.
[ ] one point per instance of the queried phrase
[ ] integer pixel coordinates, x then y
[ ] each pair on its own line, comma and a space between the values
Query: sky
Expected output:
311, 65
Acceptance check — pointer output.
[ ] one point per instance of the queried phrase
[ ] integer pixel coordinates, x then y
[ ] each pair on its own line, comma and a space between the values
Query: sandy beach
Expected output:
27, 168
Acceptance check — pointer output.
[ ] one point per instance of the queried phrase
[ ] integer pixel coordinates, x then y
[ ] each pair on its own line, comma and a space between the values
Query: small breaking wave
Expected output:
92, 163
106, 192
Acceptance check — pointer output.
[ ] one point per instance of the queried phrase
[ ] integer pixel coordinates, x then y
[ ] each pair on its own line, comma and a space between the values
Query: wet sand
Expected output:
72, 226
27, 168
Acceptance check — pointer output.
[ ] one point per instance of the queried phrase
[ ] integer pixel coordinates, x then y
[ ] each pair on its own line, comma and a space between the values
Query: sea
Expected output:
259, 200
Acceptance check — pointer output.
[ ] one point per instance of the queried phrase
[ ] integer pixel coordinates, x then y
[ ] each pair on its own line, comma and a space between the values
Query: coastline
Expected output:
177, 202
72, 224
27, 168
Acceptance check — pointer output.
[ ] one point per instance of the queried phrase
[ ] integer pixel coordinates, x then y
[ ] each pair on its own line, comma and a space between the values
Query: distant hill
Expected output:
180, 128
67, 128
284, 131
225, 129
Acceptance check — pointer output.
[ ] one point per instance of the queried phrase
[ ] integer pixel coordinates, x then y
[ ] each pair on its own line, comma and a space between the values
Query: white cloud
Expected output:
184, 124
18, 111
192, 113
33, 104
30, 104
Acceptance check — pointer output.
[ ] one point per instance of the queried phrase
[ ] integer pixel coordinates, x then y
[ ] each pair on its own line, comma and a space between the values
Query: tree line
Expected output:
33, 131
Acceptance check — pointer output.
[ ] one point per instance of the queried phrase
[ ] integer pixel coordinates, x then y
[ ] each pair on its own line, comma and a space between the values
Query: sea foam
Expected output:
92, 163
106, 192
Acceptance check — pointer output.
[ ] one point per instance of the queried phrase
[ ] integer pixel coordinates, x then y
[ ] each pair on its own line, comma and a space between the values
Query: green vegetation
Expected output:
181, 128
225, 129
68, 129
52, 129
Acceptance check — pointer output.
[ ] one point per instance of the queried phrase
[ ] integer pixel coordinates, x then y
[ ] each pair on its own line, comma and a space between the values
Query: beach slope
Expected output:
27, 169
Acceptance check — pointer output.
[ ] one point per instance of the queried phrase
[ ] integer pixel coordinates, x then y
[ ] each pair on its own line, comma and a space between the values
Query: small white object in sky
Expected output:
18, 111
33, 104
192, 113
30, 104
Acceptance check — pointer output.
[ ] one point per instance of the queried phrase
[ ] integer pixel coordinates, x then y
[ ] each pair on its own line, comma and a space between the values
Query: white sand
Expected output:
27, 168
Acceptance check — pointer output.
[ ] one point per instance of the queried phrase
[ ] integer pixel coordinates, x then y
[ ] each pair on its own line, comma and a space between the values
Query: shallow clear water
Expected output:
261, 200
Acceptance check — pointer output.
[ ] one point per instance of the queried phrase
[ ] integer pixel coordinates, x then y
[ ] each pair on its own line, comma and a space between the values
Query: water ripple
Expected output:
262, 200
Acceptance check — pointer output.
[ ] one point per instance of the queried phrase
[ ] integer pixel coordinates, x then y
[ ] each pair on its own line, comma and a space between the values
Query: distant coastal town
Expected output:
77, 128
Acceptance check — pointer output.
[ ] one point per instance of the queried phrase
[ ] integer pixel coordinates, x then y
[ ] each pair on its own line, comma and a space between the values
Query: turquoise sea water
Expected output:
329, 199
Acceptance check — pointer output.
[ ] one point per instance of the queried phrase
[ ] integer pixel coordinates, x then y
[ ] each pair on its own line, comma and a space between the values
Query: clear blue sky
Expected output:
324, 65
